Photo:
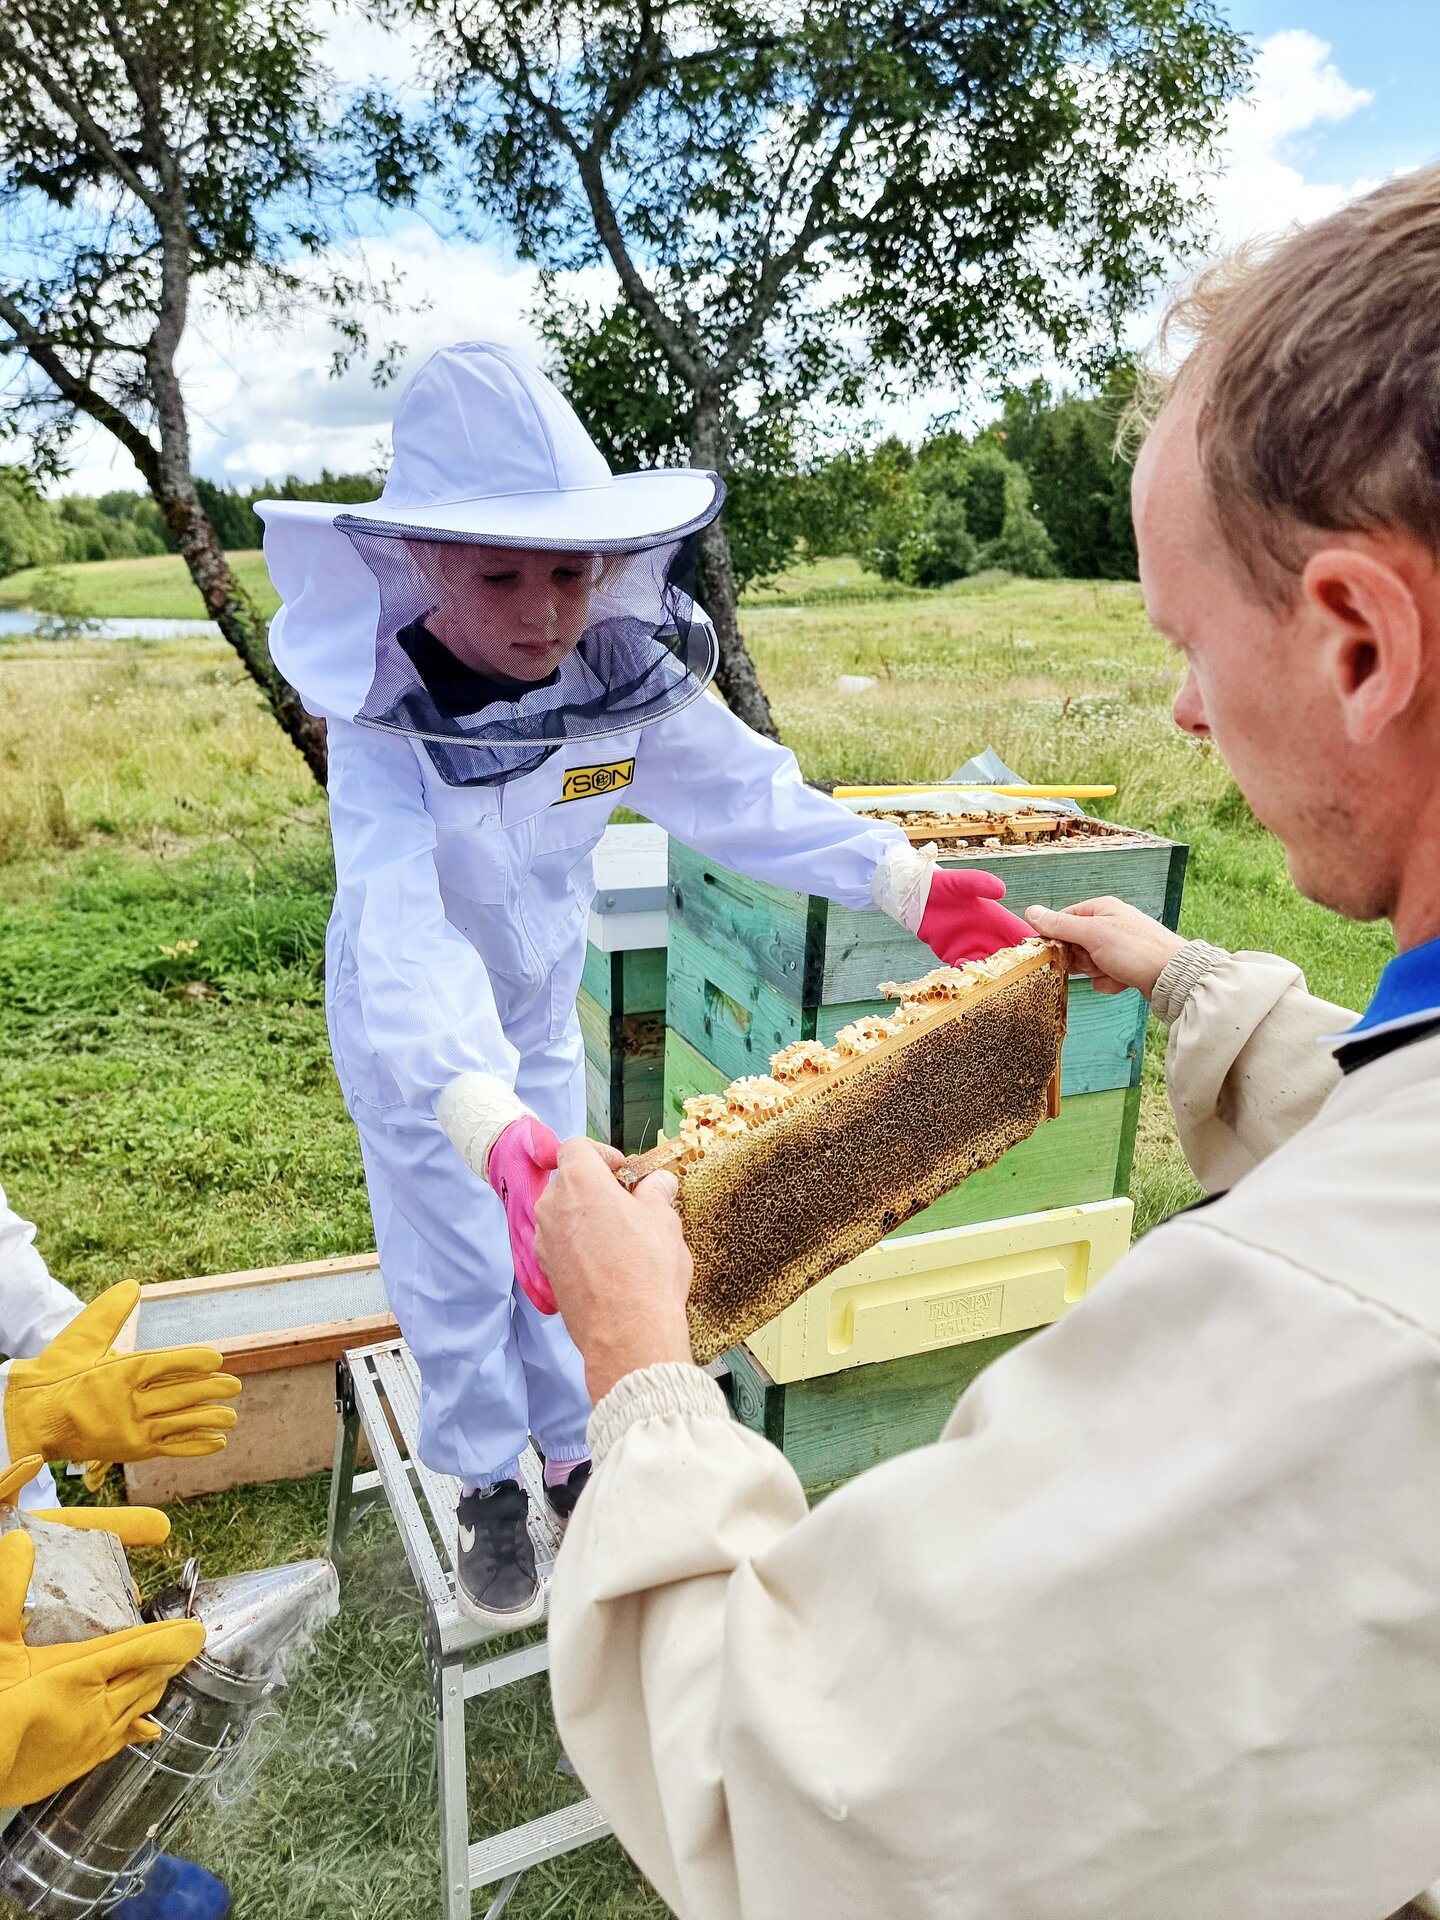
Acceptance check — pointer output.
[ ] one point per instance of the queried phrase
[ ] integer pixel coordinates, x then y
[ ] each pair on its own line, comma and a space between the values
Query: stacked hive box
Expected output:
622, 992
752, 967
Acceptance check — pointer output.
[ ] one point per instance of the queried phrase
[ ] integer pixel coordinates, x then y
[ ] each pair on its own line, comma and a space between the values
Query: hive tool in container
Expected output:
90, 1845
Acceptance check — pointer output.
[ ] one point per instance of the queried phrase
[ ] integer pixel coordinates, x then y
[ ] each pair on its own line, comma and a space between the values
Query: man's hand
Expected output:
1116, 945
618, 1264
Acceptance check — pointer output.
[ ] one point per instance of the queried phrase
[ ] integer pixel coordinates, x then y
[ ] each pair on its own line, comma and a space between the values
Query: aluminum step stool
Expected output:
378, 1390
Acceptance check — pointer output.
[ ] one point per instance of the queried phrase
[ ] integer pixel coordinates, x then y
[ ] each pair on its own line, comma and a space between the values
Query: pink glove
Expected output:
962, 920
519, 1169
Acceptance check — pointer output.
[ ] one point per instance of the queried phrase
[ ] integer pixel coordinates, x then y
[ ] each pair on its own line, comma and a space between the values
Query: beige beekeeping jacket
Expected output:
1152, 1633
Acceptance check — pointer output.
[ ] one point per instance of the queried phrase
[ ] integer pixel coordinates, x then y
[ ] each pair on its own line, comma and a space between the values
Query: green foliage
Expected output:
641, 414
230, 510
722, 159
89, 531
1022, 545
28, 537
941, 547
76, 529
1040, 490
1083, 493
985, 491
134, 136
1080, 482
931, 517
797, 201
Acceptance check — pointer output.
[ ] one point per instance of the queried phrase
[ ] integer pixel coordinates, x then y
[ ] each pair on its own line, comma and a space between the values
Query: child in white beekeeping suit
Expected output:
500, 645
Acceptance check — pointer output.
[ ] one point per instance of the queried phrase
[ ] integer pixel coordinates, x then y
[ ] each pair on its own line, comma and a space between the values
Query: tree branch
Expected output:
80, 393
693, 367
777, 270
81, 118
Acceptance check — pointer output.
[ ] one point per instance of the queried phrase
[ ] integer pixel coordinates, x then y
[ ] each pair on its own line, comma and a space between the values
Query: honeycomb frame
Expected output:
803, 1183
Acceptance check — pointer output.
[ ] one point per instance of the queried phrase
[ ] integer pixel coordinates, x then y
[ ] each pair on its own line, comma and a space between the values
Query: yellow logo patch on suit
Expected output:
583, 783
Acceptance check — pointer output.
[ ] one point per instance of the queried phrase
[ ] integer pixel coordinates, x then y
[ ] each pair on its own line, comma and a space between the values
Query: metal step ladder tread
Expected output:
430, 1576
536, 1841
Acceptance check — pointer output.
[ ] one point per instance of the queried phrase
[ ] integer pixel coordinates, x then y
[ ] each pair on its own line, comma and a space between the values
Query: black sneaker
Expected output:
495, 1580
561, 1499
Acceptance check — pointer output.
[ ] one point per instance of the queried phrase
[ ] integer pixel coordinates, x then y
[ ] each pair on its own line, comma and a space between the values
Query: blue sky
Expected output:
1390, 48
1345, 94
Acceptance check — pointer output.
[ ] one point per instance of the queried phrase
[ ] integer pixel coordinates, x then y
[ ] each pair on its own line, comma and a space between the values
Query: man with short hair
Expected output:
1154, 1629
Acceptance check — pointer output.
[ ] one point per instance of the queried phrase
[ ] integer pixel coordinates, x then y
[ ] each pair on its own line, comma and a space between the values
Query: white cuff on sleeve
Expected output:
1179, 977
475, 1110
669, 1388
900, 884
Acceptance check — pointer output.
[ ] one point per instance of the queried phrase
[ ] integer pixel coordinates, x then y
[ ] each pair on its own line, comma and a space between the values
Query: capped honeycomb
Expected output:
785, 1176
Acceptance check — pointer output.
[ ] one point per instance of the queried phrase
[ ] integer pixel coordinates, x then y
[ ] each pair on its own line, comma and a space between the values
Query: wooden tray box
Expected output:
835, 1413
837, 1425
281, 1329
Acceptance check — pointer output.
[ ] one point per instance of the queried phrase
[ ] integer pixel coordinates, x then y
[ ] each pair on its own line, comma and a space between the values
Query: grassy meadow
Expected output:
167, 1105
155, 588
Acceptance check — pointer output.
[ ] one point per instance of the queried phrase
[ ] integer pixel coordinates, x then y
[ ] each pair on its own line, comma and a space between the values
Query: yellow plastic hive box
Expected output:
928, 1290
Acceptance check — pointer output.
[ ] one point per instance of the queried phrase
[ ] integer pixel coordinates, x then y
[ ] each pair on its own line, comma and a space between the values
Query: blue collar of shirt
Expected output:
1408, 993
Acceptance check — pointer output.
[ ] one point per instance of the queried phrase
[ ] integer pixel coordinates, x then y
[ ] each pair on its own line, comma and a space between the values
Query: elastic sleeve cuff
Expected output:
671, 1388
1180, 977
5, 1460
900, 884
474, 1111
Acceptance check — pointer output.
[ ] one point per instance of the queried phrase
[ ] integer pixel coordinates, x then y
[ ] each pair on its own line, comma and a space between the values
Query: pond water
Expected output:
23, 623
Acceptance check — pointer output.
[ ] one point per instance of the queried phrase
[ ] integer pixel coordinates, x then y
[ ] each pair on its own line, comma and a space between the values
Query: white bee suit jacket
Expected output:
456, 948
460, 908
34, 1308
1153, 1629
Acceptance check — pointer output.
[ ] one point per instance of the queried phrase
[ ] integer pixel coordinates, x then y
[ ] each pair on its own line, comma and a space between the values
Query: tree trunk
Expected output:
238, 619
736, 676
173, 485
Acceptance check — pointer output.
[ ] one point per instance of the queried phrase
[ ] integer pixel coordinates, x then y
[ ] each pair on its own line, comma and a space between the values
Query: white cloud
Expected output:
262, 400
1298, 90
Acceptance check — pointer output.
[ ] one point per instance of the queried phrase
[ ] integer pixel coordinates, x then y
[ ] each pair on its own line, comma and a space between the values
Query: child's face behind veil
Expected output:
510, 613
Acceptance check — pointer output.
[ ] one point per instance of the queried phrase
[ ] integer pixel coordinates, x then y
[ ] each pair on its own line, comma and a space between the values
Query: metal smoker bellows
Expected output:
88, 1847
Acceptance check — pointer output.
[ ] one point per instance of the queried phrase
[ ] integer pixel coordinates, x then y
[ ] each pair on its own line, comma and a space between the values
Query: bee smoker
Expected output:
90, 1845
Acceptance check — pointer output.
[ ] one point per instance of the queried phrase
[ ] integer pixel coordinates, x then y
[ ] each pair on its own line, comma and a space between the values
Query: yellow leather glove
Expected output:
78, 1400
65, 1709
131, 1526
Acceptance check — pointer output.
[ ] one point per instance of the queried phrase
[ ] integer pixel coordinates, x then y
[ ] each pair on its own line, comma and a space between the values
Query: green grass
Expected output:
158, 587
173, 1112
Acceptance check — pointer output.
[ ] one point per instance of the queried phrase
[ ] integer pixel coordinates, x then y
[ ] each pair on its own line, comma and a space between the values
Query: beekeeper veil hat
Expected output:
506, 593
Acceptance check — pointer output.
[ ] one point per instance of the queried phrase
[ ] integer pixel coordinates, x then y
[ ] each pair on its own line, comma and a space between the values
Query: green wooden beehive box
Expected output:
751, 967
622, 991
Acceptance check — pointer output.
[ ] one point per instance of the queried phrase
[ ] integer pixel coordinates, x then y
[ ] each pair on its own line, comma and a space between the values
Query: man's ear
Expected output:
1375, 638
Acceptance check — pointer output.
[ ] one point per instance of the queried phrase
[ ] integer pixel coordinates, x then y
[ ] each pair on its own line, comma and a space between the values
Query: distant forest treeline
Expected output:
1039, 491
36, 532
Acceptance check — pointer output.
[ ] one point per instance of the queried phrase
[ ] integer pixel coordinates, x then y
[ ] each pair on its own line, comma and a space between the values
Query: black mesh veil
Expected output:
496, 656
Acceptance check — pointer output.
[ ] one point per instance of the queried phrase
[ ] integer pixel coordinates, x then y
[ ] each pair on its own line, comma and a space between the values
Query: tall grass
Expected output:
153, 747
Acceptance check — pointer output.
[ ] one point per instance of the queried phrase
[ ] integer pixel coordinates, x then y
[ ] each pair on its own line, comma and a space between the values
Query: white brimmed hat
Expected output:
486, 448
488, 451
